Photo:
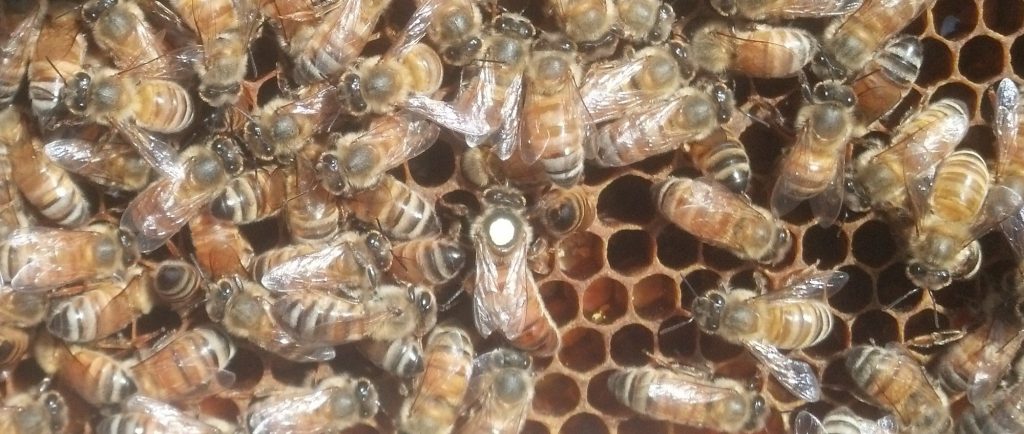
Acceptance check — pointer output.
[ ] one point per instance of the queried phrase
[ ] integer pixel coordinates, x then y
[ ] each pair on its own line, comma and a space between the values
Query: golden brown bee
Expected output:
690, 114
40, 259
281, 127
481, 167
142, 98
918, 145
108, 161
434, 404
646, 21
427, 261
14, 213
352, 263
723, 159
221, 250
41, 411
554, 118
229, 150
391, 312
14, 345
44, 184
256, 195
794, 317
186, 365
815, 167
562, 212
977, 362
850, 43
59, 53
141, 414
891, 379
886, 79
999, 413
17, 46
336, 403
242, 307
1010, 168
589, 24
719, 217
842, 421
96, 377
106, 308
312, 214
23, 309
120, 28
455, 28
762, 51
771, 10
499, 395
400, 211
190, 182
401, 357
686, 398
175, 284
506, 297
357, 161
612, 88
225, 29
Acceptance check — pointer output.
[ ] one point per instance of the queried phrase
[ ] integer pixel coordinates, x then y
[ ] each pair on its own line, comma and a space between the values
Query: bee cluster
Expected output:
484, 216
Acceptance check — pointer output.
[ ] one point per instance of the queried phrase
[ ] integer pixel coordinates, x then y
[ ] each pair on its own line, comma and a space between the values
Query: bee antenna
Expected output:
448, 304
62, 78
903, 297
677, 326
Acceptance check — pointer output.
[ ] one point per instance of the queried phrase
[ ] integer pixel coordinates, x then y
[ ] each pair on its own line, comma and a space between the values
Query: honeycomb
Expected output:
620, 289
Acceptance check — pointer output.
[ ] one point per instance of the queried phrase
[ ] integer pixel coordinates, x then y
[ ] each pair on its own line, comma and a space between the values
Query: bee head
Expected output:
331, 176
707, 311
78, 92
927, 277
352, 93
92, 11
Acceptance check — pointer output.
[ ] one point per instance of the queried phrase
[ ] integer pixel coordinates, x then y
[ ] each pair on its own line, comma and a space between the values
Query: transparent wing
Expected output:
796, 376
786, 194
814, 8
290, 414
509, 135
415, 29
1013, 229
806, 423
159, 212
500, 296
827, 205
820, 285
312, 271
1001, 204
52, 264
447, 115
603, 91
994, 360
169, 416
91, 159
22, 41
415, 135
478, 98
1005, 122
292, 350
156, 150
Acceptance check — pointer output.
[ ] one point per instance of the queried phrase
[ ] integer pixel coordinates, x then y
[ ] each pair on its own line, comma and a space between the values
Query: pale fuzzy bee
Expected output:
120, 28
999, 413
689, 398
886, 79
358, 161
427, 261
455, 28
644, 21
397, 209
59, 53
814, 169
335, 404
589, 24
108, 161
144, 415
391, 312
104, 309
220, 249
842, 421
761, 51
242, 307
18, 45
44, 184
893, 380
721, 218
254, 196
190, 181
434, 404
402, 357
562, 212
97, 377
500, 393
849, 43
794, 317
773, 10
352, 263
40, 259
186, 366
280, 128
41, 411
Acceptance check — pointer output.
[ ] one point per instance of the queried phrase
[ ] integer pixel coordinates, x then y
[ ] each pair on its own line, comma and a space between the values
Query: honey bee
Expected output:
242, 307
353, 262
40, 259
336, 403
886, 79
427, 261
358, 161
14, 344
400, 211
96, 377
13, 211
228, 149
22, 309
815, 168
390, 313
225, 29
499, 395
918, 145
191, 181
106, 308
1010, 168
312, 214
44, 184
120, 28
850, 43
506, 297
589, 24
401, 357
978, 361
842, 421
723, 219
141, 414
144, 98
723, 158
481, 167
185, 366
690, 114
792, 318
762, 51
647, 21
784, 9
41, 411
437, 397
107, 161
282, 126
256, 195
1000, 412
562, 212
455, 28
680, 396
59, 53
221, 250
175, 284
893, 380
16, 50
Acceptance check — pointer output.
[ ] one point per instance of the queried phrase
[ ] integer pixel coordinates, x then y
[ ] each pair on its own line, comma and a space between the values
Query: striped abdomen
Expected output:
162, 106
434, 407
96, 376
1003, 412
959, 189
552, 127
188, 367
176, 284
400, 211
100, 312
725, 161
789, 325
897, 383
427, 260
252, 197
321, 319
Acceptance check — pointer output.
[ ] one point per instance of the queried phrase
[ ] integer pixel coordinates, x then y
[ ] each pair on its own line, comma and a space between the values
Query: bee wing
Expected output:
818, 285
921, 149
827, 205
289, 414
22, 40
796, 376
786, 195
885, 425
415, 29
418, 136
1006, 102
602, 90
1001, 339
509, 134
807, 423
814, 8
279, 339
447, 115
499, 302
1013, 228
90, 159
158, 212
478, 98
311, 271
156, 150
1001, 203
50, 266
170, 417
